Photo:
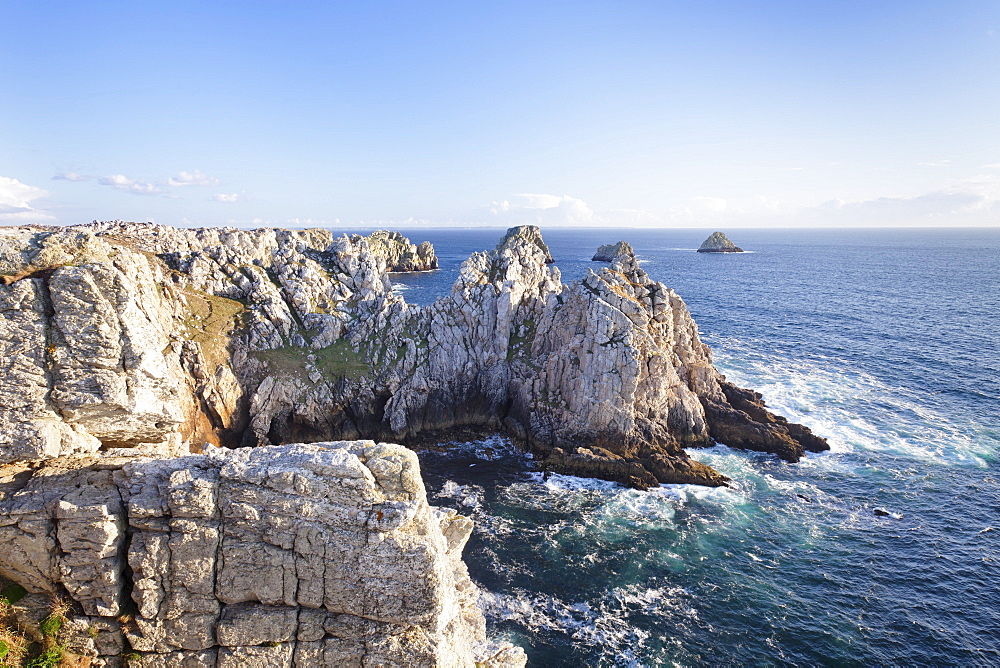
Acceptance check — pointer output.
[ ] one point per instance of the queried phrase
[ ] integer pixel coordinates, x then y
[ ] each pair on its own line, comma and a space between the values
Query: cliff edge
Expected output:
130, 338
300, 555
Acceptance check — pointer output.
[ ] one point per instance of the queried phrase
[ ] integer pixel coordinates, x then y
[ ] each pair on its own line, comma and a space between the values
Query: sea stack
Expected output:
610, 252
719, 243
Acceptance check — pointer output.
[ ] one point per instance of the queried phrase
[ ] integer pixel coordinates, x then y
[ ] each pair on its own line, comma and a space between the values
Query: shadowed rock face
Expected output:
718, 243
162, 339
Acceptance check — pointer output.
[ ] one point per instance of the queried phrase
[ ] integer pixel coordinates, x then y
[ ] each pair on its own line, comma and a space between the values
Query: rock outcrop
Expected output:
718, 242
300, 555
611, 252
399, 253
130, 351
119, 335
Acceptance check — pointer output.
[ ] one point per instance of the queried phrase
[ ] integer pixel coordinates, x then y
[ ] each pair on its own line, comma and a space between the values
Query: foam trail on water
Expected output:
831, 400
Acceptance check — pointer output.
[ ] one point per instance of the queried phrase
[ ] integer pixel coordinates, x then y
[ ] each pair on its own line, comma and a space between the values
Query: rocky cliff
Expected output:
301, 555
129, 352
118, 335
399, 253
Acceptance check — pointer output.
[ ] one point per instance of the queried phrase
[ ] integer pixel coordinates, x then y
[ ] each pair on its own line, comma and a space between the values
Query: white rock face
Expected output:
299, 555
162, 339
151, 344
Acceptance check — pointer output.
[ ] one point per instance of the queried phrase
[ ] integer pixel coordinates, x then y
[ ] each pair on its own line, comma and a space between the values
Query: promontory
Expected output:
196, 425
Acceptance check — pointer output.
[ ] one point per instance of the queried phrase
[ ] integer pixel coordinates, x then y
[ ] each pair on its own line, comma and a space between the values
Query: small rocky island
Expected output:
719, 243
195, 431
610, 252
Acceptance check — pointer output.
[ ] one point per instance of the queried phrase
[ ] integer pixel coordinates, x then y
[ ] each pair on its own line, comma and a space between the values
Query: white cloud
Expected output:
974, 202
234, 197
542, 209
16, 202
71, 176
134, 186
195, 178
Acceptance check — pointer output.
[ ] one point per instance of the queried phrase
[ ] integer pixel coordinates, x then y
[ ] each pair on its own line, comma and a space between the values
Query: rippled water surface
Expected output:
885, 550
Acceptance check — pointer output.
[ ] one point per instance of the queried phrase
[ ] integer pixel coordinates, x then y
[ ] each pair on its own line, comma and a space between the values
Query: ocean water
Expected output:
884, 551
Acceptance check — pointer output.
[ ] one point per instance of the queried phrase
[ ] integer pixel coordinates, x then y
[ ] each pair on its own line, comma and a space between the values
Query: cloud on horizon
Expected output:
542, 209
16, 202
233, 197
974, 201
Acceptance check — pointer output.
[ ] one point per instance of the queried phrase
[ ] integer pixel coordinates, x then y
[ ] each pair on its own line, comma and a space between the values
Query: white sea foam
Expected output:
853, 410
468, 495
602, 623
686, 493
496, 446
557, 481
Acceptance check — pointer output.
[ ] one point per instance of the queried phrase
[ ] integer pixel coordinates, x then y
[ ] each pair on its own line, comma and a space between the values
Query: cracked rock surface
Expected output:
129, 352
297, 555
122, 335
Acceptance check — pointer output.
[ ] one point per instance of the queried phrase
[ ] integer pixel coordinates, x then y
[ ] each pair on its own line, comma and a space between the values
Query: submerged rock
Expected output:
718, 243
610, 252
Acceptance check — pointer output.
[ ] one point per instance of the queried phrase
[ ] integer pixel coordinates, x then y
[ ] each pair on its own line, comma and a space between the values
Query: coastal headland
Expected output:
168, 373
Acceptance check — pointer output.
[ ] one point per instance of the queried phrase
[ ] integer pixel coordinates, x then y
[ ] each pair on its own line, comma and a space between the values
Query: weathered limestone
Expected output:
152, 344
718, 242
149, 337
298, 555
399, 253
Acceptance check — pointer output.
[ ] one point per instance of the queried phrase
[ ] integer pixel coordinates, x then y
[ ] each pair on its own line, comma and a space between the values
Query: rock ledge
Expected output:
300, 555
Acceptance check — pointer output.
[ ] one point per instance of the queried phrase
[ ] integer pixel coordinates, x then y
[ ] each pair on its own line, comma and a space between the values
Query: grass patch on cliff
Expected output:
34, 648
336, 361
208, 321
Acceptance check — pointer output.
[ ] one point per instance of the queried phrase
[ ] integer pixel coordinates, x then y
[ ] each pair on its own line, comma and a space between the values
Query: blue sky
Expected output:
697, 114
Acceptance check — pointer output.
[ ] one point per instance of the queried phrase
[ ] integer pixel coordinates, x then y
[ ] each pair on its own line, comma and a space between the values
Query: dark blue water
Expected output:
884, 341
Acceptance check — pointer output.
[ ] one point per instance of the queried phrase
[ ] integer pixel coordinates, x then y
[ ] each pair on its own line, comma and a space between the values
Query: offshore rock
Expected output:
300, 555
610, 252
121, 335
718, 243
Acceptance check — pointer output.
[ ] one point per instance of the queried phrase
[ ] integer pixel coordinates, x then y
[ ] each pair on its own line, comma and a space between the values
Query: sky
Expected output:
626, 113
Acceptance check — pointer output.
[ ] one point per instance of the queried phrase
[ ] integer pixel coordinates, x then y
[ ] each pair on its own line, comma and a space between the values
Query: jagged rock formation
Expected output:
301, 555
718, 242
125, 347
611, 252
399, 253
145, 336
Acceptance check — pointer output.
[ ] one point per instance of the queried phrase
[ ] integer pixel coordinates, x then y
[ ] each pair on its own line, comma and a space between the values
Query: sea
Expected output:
884, 551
